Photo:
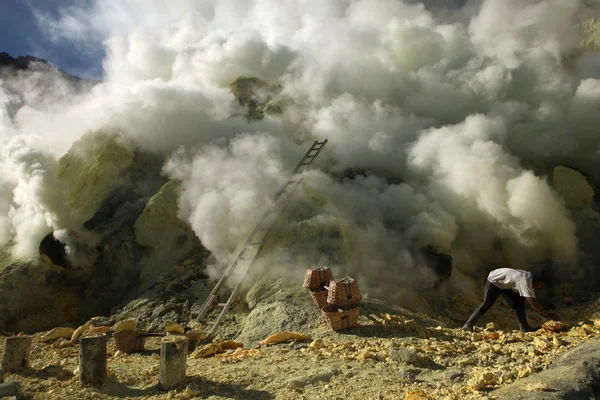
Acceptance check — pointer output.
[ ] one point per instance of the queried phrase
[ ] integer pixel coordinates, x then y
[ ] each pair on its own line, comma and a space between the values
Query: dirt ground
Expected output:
389, 356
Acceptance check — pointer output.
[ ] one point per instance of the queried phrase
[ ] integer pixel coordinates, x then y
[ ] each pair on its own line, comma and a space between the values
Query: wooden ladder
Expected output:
248, 253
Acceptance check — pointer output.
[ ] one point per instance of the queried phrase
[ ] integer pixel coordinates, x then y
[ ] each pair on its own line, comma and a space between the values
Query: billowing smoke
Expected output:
444, 121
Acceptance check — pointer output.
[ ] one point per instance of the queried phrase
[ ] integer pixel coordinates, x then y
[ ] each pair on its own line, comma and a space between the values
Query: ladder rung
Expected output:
238, 269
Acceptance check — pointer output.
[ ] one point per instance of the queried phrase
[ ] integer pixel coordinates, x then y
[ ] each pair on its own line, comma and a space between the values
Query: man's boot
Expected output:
468, 326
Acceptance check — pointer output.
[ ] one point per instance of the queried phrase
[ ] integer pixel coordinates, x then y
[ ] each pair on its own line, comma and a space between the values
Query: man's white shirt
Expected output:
515, 279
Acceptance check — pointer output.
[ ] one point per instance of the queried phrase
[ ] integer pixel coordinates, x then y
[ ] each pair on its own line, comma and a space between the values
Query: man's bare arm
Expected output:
541, 310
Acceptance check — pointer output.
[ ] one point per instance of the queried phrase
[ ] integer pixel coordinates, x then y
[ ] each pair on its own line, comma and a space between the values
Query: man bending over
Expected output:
515, 285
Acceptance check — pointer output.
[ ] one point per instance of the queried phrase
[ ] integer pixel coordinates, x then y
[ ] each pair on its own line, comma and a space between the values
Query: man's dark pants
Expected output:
490, 295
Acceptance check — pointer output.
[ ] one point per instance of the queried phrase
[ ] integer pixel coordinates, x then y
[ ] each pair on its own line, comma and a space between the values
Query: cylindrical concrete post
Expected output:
16, 353
92, 360
173, 359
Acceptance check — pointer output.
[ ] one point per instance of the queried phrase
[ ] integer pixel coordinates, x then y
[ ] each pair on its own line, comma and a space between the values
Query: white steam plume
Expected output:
458, 115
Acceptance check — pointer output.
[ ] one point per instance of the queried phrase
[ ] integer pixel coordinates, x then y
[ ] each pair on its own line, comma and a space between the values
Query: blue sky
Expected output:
21, 35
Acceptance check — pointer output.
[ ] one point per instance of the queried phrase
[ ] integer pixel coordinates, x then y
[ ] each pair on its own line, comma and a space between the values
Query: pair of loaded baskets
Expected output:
338, 299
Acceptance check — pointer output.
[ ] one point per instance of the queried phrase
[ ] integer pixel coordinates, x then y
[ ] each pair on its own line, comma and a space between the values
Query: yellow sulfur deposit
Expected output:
284, 337
91, 169
128, 325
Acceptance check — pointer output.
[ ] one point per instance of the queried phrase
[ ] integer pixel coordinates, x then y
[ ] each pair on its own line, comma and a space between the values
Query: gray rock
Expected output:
56, 370
45, 308
403, 355
159, 311
10, 389
277, 306
455, 376
407, 376
503, 360
321, 376
573, 376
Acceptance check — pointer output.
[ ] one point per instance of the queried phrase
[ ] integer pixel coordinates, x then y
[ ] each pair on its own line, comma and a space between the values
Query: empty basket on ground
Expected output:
319, 297
344, 292
129, 341
340, 317
316, 279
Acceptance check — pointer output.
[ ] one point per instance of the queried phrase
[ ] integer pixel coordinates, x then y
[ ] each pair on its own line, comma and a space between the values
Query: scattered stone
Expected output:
10, 389
467, 361
365, 354
317, 344
455, 376
298, 346
65, 333
542, 343
490, 326
524, 370
407, 376
503, 360
478, 337
322, 376
56, 370
417, 395
191, 393
403, 355
557, 342
482, 380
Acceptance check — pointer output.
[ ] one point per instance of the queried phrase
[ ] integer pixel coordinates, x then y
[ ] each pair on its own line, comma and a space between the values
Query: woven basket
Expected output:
319, 297
317, 279
129, 342
338, 318
344, 292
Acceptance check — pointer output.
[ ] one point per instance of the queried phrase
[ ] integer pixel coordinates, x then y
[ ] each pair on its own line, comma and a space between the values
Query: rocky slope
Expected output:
393, 354
139, 260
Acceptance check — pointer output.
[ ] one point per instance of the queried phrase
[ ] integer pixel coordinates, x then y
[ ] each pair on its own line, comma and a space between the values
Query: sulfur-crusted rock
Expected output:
542, 343
159, 229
